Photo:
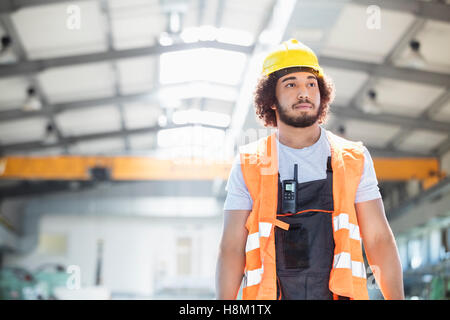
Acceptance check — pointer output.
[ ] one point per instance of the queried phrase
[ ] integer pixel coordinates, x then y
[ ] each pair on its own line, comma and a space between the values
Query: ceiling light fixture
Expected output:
370, 104
5, 43
341, 130
50, 134
414, 58
6, 50
32, 102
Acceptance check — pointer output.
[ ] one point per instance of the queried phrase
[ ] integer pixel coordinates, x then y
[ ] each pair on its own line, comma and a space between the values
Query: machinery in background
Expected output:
49, 277
17, 284
20, 284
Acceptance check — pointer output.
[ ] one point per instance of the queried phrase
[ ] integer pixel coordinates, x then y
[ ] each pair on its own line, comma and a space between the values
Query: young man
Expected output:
299, 234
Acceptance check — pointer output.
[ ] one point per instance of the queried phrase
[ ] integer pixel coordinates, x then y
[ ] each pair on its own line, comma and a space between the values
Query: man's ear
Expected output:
273, 107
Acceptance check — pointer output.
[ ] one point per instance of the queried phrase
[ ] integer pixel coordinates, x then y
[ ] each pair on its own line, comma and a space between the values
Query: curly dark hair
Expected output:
265, 98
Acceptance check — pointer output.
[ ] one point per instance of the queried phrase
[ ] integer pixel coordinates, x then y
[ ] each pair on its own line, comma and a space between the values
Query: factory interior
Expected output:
120, 120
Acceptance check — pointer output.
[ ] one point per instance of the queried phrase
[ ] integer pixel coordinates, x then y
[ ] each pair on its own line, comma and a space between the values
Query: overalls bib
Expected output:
304, 253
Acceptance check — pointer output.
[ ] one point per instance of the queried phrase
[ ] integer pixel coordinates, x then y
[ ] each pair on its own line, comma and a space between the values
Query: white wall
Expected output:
137, 251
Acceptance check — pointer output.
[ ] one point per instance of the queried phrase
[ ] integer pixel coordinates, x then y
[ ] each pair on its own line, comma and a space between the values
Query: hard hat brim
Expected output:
272, 70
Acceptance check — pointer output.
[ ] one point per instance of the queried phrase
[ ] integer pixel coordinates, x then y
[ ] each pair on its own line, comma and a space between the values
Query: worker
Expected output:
302, 201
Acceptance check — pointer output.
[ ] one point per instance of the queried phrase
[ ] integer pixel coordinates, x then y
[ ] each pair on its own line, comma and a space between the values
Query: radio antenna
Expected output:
295, 172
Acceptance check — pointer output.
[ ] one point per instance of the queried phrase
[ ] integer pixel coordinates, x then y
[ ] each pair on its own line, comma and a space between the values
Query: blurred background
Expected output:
119, 121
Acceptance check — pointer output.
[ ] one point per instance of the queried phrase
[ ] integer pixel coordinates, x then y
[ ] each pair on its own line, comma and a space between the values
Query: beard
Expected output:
303, 120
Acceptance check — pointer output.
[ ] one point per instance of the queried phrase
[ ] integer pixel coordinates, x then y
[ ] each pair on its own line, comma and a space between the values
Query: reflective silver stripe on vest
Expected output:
343, 260
358, 269
252, 277
253, 239
341, 222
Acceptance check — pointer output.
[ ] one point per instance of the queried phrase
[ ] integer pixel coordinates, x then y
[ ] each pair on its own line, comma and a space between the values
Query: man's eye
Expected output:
290, 85
312, 84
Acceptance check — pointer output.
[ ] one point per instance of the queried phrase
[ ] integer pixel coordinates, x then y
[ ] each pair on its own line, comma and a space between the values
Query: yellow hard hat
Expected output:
291, 53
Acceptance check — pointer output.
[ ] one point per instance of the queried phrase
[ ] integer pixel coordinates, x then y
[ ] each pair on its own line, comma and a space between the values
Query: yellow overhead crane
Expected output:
129, 168
119, 167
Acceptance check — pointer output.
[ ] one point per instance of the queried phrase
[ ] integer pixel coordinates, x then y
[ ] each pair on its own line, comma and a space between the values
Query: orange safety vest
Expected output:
259, 164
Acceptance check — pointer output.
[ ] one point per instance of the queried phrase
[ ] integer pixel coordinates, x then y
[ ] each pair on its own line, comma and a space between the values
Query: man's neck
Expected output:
298, 138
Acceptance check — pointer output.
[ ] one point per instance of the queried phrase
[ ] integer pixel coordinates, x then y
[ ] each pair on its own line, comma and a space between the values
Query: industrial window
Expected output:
196, 65
415, 253
435, 245
184, 256
52, 244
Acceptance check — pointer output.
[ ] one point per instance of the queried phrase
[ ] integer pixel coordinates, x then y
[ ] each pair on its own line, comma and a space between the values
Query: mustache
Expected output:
303, 101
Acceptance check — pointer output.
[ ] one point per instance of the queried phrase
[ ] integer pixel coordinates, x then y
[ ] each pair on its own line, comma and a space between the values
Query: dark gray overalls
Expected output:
304, 253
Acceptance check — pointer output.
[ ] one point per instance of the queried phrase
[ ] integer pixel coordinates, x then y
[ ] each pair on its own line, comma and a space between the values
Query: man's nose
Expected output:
302, 94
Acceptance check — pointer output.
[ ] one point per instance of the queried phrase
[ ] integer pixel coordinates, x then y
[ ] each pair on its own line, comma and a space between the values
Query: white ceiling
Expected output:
409, 99
44, 32
136, 23
140, 115
443, 114
106, 146
245, 15
136, 74
13, 92
22, 130
347, 83
142, 142
339, 32
79, 82
351, 38
422, 141
377, 135
88, 120
434, 40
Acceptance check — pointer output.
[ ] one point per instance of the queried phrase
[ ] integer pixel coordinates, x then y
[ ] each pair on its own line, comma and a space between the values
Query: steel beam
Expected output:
387, 71
377, 152
151, 95
38, 145
339, 111
390, 119
29, 67
384, 71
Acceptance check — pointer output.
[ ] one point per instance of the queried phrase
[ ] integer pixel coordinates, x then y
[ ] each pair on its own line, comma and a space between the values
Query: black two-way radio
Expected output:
289, 194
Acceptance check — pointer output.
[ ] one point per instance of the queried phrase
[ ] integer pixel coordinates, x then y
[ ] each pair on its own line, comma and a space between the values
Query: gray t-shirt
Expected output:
312, 164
